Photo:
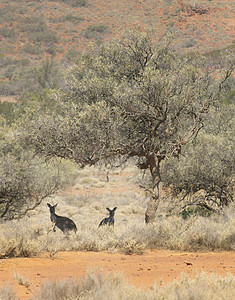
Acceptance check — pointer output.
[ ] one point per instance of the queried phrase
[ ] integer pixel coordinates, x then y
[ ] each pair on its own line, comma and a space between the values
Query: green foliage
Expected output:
195, 211
44, 36
190, 42
70, 18
48, 74
27, 78
7, 111
25, 179
37, 31
7, 32
32, 49
130, 98
95, 31
7, 13
39, 101
74, 3
78, 3
209, 165
32, 23
230, 96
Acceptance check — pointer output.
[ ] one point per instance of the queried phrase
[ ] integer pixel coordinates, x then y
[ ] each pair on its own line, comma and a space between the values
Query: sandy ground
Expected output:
143, 271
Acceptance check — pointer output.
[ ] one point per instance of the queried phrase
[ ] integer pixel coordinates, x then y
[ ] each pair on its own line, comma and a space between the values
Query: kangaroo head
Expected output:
52, 208
111, 211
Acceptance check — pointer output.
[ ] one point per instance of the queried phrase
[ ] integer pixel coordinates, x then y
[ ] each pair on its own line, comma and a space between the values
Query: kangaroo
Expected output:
63, 223
110, 220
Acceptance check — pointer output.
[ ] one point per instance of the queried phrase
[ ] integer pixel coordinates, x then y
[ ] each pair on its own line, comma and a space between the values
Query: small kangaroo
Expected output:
63, 223
110, 220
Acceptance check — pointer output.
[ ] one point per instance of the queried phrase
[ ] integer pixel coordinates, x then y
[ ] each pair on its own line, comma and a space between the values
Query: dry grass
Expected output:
87, 207
6, 293
114, 286
97, 285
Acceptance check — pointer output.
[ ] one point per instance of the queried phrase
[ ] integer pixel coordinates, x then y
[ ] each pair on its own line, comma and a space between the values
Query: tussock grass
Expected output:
128, 236
7, 293
114, 286
105, 286
33, 234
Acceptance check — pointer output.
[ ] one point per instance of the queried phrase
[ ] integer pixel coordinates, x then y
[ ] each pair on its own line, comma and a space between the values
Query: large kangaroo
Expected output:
110, 220
63, 223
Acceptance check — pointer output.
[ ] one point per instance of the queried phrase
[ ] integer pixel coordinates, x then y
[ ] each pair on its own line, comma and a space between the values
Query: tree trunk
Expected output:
152, 206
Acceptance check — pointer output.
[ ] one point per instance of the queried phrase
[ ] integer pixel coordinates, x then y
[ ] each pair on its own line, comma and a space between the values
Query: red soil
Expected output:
212, 29
143, 271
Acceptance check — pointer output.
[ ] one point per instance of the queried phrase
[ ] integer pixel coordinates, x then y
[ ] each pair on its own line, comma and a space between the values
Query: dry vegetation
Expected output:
32, 30
114, 286
85, 203
209, 23
97, 285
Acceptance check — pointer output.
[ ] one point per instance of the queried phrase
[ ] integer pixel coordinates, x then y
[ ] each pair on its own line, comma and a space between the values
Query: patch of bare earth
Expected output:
142, 271
11, 99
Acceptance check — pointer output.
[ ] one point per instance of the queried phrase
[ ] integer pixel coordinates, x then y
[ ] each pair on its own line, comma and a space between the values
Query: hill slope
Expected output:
32, 30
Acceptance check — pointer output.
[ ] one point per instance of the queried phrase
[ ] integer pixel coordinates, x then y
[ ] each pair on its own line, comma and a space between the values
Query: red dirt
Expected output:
140, 270
11, 99
211, 30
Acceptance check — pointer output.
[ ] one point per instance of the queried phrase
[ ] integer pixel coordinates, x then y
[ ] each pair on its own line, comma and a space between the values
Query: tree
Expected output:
132, 98
205, 174
25, 179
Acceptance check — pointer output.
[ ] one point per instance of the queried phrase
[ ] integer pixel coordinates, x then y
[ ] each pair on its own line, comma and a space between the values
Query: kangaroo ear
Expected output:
48, 205
108, 209
55, 205
114, 208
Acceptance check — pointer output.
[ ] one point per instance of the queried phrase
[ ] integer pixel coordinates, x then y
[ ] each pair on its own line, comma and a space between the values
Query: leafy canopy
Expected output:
133, 97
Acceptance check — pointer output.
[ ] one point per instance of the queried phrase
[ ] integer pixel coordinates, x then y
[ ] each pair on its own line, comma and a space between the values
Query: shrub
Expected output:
204, 176
32, 49
45, 36
70, 18
7, 111
93, 286
189, 43
32, 24
25, 179
7, 32
74, 3
6, 293
37, 30
114, 286
8, 13
95, 31
78, 3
